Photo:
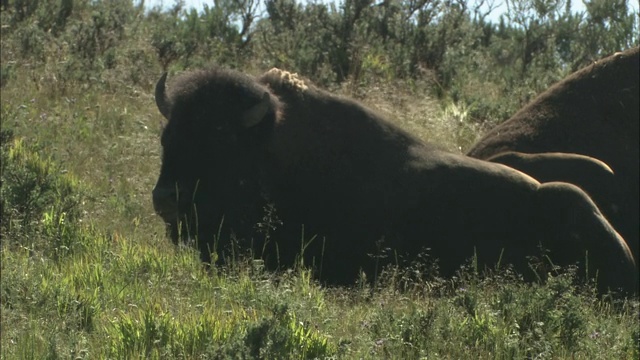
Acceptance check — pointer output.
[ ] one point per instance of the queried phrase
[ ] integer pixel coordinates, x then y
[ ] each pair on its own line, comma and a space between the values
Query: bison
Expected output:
592, 175
592, 112
297, 174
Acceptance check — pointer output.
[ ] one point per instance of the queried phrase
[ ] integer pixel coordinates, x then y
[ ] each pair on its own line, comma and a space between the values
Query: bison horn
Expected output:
253, 116
161, 98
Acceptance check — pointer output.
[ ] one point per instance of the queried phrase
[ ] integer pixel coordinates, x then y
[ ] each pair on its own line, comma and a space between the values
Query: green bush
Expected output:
38, 200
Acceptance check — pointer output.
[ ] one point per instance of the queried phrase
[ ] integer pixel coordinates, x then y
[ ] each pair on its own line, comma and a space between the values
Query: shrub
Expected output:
37, 197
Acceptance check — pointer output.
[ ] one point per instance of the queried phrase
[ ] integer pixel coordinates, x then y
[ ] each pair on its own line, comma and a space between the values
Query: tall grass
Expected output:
85, 276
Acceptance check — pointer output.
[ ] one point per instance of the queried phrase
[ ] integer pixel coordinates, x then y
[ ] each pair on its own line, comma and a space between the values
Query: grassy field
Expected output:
87, 272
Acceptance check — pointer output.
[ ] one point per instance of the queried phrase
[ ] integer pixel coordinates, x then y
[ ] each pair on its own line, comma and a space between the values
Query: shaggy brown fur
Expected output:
347, 185
593, 112
592, 175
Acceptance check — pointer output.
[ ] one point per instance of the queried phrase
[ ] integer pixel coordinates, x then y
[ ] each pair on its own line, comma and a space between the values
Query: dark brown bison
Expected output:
346, 186
593, 112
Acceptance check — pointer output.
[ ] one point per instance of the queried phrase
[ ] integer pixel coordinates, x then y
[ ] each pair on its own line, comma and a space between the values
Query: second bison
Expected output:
593, 112
351, 191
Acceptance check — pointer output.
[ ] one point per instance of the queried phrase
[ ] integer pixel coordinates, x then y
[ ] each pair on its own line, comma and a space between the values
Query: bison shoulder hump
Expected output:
284, 79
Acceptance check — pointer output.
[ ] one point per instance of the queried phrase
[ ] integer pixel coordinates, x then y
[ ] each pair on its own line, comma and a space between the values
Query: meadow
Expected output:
88, 273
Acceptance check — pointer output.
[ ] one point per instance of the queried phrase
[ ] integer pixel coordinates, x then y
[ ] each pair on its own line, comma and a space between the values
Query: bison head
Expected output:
217, 122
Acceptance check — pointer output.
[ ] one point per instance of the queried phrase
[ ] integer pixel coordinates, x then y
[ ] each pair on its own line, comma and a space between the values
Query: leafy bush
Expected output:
37, 199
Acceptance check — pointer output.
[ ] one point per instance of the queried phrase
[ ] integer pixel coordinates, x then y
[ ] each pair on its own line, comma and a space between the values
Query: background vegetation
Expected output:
86, 269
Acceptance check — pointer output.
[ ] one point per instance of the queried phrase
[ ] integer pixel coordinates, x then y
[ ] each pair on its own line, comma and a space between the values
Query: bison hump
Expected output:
277, 78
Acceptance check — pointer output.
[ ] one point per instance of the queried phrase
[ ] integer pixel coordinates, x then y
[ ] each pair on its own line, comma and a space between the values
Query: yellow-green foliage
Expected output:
37, 200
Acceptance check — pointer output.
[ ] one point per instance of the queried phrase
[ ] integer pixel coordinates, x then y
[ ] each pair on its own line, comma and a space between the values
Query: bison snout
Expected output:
165, 201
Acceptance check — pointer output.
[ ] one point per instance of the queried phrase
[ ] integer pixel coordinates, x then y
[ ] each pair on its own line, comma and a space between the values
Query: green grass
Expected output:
87, 272
118, 297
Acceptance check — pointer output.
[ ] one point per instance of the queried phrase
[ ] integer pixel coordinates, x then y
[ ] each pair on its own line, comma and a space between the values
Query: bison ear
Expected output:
161, 97
255, 114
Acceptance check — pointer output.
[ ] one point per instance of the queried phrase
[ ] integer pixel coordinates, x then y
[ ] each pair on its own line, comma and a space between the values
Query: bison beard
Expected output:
346, 183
